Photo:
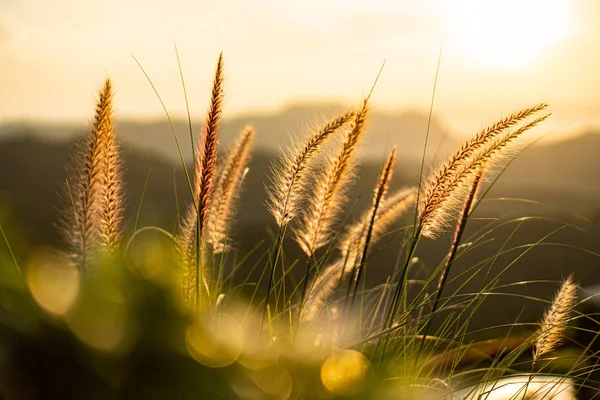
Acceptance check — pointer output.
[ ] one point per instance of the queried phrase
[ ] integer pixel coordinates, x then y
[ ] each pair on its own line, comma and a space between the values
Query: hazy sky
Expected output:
497, 55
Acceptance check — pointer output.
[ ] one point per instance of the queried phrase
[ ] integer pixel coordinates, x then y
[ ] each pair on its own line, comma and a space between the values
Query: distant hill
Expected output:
562, 175
405, 129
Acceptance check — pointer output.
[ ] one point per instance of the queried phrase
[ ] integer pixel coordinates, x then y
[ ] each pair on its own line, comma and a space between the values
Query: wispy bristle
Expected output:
330, 191
381, 189
206, 159
555, 319
392, 208
112, 187
185, 253
289, 178
321, 288
227, 191
324, 285
82, 220
443, 191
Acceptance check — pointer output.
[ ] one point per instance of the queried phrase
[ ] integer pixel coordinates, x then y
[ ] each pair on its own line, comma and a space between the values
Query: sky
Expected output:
496, 56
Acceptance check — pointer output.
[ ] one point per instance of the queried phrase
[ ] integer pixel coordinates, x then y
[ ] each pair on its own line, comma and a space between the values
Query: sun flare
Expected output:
508, 33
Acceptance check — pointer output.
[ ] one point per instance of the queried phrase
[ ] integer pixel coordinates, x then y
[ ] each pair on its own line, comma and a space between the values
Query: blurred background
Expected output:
290, 66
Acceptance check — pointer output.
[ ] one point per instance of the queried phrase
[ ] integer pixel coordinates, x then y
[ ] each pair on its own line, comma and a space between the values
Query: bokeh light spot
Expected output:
344, 372
101, 320
275, 381
215, 343
53, 281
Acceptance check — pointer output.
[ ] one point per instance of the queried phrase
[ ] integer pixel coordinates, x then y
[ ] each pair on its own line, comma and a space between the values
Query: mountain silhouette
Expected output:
405, 129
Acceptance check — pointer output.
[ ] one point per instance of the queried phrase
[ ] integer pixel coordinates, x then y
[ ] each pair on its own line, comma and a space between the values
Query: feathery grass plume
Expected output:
358, 231
385, 177
81, 221
227, 191
111, 215
206, 157
462, 218
444, 189
320, 289
189, 242
325, 283
330, 190
289, 184
188, 258
289, 178
481, 139
555, 320
380, 191
392, 208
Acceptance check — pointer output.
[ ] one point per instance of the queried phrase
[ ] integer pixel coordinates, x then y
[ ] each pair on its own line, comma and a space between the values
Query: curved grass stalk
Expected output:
330, 190
324, 284
290, 182
380, 191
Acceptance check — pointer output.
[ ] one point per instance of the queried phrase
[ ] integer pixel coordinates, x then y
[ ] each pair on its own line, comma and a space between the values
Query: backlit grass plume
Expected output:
554, 323
206, 157
111, 215
227, 192
190, 240
289, 178
330, 190
443, 191
92, 218
392, 208
383, 184
368, 230
319, 345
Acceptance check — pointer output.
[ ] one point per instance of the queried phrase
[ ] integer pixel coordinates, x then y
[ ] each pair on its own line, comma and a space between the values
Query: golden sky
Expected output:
497, 55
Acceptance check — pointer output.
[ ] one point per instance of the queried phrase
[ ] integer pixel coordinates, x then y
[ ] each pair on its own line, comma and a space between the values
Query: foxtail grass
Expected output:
91, 220
308, 193
227, 191
291, 174
316, 224
445, 188
381, 189
290, 182
190, 241
353, 241
449, 187
556, 319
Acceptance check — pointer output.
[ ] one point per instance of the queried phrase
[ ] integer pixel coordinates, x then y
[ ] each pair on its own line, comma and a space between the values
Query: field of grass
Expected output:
149, 313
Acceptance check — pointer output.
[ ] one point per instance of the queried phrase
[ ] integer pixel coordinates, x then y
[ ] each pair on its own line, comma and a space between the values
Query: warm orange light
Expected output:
344, 372
508, 33
53, 280
215, 343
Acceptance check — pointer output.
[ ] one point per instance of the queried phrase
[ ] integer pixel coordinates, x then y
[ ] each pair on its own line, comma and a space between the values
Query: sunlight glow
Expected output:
344, 372
215, 344
509, 33
53, 281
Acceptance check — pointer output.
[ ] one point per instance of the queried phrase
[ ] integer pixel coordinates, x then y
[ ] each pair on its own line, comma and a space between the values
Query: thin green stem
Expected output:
392, 309
274, 261
458, 232
139, 209
309, 263
437, 71
12, 254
